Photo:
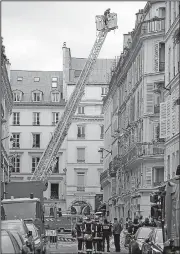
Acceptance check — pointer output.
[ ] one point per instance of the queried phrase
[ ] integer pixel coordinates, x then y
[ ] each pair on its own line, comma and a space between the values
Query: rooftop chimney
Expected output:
139, 16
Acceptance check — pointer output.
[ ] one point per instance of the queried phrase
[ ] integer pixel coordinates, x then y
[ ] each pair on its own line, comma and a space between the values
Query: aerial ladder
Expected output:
104, 24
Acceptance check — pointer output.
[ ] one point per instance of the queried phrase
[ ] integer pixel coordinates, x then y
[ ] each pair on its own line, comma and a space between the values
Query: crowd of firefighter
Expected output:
94, 234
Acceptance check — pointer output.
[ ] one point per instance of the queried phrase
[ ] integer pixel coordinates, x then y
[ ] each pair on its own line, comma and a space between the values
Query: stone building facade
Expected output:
134, 165
6, 110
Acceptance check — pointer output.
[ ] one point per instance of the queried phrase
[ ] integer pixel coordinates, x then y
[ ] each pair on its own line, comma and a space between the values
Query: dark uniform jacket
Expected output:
107, 229
88, 227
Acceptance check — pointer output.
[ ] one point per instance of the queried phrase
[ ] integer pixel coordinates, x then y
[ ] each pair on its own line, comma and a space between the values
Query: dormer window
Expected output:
36, 96
55, 97
36, 79
54, 82
17, 96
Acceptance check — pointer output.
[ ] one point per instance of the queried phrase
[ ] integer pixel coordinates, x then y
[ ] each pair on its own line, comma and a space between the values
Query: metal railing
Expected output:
161, 66
54, 195
80, 188
140, 150
80, 135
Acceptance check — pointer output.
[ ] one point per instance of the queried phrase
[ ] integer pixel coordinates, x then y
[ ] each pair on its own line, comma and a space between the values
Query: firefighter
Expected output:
106, 14
97, 235
88, 225
79, 234
107, 233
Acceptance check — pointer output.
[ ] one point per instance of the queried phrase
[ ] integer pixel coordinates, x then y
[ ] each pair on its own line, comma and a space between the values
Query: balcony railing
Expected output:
80, 188
36, 123
153, 26
161, 66
103, 176
80, 160
140, 150
54, 195
81, 136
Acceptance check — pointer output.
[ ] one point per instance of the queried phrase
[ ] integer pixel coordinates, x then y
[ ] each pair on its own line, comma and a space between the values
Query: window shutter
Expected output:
149, 98
148, 178
155, 134
163, 120
156, 57
168, 128
173, 98
177, 118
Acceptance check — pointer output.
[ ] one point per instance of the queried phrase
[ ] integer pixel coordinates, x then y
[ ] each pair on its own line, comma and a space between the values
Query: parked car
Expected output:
9, 243
137, 240
19, 226
22, 244
154, 243
39, 244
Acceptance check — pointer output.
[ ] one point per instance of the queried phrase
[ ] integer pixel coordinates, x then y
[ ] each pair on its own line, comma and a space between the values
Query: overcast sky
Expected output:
34, 32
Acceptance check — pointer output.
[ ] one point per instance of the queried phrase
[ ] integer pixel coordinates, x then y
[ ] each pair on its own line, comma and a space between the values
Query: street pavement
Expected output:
70, 247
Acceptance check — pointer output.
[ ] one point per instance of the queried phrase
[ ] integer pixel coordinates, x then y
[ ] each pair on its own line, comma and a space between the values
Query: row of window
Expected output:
37, 96
37, 137
54, 80
36, 117
81, 158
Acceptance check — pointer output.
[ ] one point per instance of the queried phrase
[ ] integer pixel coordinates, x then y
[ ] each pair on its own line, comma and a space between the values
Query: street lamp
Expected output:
101, 150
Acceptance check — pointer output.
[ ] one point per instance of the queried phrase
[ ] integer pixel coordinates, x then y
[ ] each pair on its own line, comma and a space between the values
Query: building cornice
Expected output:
88, 118
39, 104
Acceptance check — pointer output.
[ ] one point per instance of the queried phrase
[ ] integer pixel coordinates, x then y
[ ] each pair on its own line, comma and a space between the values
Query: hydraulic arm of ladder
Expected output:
48, 158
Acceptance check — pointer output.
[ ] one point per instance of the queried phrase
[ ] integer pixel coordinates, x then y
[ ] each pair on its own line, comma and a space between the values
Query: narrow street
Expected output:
70, 247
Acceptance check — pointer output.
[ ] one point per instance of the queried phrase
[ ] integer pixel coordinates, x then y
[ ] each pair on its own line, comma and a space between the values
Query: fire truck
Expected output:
104, 24
166, 211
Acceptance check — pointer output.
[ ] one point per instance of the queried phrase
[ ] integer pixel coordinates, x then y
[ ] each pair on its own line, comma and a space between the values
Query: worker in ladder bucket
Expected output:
88, 227
106, 14
97, 235
80, 236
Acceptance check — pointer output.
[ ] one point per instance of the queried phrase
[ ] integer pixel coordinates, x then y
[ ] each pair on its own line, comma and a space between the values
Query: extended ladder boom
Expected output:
48, 159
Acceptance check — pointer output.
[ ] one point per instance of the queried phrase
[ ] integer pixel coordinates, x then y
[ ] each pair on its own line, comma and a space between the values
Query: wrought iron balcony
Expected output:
80, 188
161, 66
54, 195
141, 150
81, 136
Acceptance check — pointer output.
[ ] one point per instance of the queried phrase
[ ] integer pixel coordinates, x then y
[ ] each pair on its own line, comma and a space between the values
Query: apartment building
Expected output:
38, 105
134, 164
170, 107
86, 133
6, 110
